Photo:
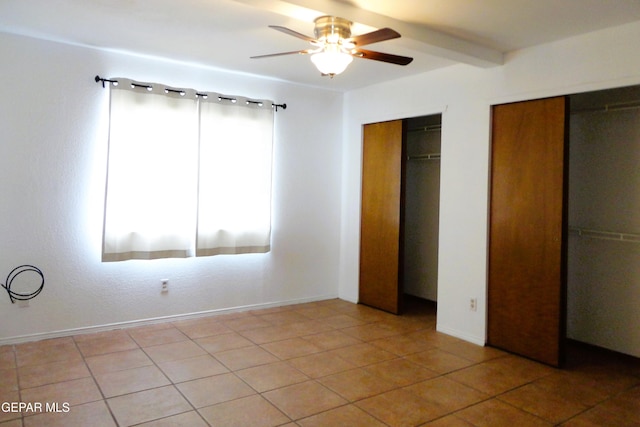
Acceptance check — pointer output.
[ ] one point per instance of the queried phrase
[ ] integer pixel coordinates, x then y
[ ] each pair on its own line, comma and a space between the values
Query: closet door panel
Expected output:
526, 312
381, 216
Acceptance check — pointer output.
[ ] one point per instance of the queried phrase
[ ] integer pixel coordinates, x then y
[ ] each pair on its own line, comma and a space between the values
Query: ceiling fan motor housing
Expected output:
332, 28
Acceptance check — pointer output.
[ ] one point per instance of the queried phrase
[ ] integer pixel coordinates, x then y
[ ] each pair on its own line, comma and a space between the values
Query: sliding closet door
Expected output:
526, 312
381, 216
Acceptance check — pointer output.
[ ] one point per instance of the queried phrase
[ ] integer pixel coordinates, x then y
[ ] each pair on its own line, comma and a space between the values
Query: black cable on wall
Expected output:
16, 296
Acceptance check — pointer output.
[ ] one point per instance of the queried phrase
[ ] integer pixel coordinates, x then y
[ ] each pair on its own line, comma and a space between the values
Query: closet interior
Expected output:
603, 259
421, 207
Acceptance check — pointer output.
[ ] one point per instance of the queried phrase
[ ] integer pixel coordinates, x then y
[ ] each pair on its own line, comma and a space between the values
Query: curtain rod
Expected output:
182, 92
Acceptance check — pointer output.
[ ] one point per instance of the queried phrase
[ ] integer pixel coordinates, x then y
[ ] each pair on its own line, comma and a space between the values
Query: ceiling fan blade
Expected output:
300, 52
384, 57
292, 33
375, 36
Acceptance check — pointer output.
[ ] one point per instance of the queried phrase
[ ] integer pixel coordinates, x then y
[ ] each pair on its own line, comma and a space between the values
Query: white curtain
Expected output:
186, 176
234, 209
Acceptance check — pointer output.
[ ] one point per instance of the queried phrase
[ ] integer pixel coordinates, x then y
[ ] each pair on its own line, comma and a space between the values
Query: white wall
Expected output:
53, 141
463, 95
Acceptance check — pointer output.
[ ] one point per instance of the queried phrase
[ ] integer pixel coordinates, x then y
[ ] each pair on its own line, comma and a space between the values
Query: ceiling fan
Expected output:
334, 47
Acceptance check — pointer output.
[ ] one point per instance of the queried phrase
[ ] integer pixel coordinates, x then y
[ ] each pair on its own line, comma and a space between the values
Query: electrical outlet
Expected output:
473, 304
165, 285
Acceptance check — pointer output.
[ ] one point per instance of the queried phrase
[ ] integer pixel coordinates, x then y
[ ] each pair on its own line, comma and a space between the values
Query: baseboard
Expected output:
462, 335
143, 322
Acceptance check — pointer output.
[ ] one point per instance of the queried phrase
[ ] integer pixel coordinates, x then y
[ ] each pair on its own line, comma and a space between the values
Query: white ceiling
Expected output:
225, 33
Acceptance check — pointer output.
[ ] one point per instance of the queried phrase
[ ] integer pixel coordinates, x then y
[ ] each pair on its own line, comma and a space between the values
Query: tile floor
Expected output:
329, 363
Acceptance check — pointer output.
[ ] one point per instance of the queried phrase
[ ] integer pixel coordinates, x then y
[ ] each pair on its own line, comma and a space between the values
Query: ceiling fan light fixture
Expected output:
331, 62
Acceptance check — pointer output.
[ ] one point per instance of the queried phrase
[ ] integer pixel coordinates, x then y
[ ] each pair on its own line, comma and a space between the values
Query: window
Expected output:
189, 174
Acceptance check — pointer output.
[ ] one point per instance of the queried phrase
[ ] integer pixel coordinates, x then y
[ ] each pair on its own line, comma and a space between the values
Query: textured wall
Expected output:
53, 131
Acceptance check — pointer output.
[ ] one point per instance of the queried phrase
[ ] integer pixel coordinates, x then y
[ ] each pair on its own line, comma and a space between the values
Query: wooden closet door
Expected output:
527, 249
381, 216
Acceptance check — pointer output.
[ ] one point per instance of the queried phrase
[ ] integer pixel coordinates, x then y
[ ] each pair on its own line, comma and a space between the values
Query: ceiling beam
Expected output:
417, 37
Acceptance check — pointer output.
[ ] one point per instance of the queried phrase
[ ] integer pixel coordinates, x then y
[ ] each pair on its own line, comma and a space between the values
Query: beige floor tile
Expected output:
625, 404
218, 343
348, 415
500, 375
47, 351
200, 328
245, 357
439, 361
271, 376
331, 340
290, 348
186, 419
401, 372
9, 379
599, 417
308, 327
212, 390
357, 384
74, 392
400, 408
316, 312
9, 413
132, 380
304, 399
547, 405
105, 342
369, 332
521, 367
473, 352
283, 318
270, 334
576, 388
340, 321
406, 373
246, 323
362, 354
321, 364
493, 413
447, 394
119, 361
487, 379
254, 411
433, 337
278, 309
37, 375
94, 414
148, 405
448, 421
610, 377
174, 351
7, 357
402, 345
190, 369
150, 336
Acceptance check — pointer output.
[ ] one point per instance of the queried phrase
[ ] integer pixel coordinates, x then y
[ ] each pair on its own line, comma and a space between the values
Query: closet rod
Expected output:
629, 105
605, 235
430, 156
432, 128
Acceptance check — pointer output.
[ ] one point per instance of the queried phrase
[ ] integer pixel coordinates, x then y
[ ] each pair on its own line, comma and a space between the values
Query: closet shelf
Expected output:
605, 235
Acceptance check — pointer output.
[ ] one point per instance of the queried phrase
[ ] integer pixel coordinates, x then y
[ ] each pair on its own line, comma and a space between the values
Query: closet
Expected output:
603, 271
399, 212
564, 239
422, 206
